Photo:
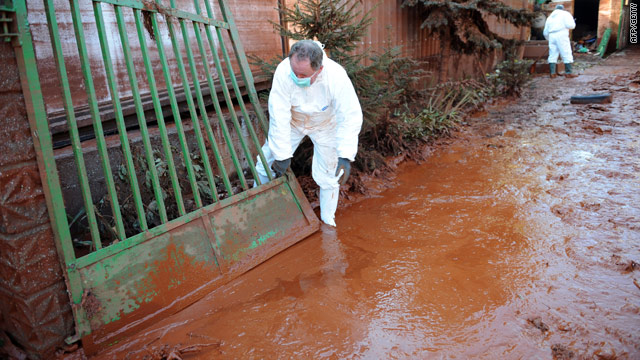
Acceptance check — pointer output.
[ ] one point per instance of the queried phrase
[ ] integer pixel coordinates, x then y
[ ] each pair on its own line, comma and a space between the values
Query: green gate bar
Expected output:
218, 111
142, 121
95, 115
245, 71
203, 111
234, 116
186, 154
225, 91
229, 102
122, 129
83, 179
236, 88
26, 59
257, 108
155, 98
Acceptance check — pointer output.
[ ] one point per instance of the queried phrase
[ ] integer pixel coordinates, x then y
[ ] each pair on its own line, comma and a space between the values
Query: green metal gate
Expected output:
218, 230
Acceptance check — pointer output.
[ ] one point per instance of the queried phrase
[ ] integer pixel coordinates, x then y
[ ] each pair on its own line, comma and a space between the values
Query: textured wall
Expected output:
33, 297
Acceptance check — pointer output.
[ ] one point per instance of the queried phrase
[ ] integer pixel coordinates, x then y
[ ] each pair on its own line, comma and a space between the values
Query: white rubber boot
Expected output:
328, 205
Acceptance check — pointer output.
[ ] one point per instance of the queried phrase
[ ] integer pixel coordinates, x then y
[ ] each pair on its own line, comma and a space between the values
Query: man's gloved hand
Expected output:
280, 166
345, 165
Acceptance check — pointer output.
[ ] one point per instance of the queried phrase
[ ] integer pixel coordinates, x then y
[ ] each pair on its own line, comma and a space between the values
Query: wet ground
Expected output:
517, 239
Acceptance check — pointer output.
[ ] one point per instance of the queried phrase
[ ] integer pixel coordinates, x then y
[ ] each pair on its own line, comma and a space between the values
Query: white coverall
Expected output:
556, 30
328, 112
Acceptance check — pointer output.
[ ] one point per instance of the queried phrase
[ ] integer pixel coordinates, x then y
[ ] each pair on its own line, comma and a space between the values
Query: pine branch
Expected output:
339, 25
462, 23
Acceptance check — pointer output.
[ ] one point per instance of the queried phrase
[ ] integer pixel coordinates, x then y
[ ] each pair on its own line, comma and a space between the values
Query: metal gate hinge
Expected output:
6, 9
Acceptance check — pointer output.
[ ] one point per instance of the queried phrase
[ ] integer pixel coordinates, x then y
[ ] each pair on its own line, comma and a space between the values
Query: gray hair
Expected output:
307, 49
559, 7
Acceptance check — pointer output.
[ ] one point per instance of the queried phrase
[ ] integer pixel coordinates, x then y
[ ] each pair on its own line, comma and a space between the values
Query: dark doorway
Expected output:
586, 14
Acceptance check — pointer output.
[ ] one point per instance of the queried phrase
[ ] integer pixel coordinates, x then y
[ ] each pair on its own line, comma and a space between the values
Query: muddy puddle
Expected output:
519, 238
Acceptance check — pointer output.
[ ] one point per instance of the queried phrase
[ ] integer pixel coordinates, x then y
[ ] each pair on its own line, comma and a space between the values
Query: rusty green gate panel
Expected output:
154, 253
198, 253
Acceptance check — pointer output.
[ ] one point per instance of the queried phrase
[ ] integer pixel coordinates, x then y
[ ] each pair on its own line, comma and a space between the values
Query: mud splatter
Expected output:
561, 352
538, 324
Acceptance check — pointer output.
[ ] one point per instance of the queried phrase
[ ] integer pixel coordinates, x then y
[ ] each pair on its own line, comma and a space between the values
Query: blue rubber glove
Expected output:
281, 166
343, 164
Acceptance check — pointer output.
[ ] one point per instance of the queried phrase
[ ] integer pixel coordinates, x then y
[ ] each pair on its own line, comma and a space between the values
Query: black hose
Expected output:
591, 99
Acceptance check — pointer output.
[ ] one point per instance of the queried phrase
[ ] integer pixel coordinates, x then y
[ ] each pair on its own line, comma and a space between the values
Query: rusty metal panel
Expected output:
129, 289
242, 237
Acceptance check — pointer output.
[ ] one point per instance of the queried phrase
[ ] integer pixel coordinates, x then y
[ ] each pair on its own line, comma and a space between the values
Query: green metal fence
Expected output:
197, 115
215, 181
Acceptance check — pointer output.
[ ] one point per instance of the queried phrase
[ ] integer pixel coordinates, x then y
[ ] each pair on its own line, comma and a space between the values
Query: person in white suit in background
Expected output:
556, 30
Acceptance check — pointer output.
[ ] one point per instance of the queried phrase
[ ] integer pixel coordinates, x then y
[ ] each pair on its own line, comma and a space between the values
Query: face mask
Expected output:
306, 82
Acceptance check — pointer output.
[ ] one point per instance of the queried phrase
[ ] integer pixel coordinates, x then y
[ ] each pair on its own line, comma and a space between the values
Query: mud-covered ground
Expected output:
519, 238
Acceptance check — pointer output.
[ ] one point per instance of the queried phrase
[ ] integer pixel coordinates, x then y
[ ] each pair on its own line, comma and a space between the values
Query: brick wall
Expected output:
33, 297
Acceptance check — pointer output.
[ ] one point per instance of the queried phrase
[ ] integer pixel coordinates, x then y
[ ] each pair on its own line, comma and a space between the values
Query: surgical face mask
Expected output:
305, 82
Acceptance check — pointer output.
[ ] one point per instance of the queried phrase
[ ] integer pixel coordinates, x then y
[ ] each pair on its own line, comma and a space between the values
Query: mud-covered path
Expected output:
520, 238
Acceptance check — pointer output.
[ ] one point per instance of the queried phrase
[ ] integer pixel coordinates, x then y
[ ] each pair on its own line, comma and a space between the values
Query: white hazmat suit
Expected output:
556, 30
328, 112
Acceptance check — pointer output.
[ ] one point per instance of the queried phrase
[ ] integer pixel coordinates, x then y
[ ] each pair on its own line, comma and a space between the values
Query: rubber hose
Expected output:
592, 99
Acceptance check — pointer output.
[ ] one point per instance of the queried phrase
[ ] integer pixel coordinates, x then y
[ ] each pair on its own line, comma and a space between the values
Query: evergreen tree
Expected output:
461, 25
339, 25
381, 85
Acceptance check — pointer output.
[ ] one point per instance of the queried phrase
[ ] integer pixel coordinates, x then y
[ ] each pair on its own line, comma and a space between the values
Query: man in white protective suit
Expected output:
556, 30
311, 95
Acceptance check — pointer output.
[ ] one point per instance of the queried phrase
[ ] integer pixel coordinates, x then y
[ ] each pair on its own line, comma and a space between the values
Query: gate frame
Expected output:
38, 120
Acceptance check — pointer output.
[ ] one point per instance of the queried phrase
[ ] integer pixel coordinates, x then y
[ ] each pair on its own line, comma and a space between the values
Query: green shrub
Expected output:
509, 77
441, 110
400, 111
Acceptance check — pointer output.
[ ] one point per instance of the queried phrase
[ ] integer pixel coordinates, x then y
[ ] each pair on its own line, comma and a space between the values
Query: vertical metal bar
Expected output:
186, 155
117, 108
216, 104
245, 71
95, 114
26, 59
83, 179
142, 122
225, 91
227, 97
166, 145
620, 22
201, 106
236, 88
234, 116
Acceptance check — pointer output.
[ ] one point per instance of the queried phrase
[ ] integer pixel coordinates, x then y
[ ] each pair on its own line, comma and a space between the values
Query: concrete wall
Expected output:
34, 304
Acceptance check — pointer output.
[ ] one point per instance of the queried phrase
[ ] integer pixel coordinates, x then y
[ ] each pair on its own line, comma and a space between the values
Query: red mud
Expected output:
519, 239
